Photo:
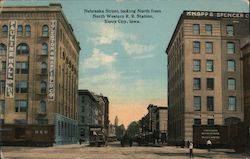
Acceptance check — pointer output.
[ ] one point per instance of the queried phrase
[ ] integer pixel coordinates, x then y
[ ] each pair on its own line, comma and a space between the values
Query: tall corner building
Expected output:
205, 73
39, 69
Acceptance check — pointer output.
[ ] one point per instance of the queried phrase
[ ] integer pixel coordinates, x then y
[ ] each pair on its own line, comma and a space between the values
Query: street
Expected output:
114, 151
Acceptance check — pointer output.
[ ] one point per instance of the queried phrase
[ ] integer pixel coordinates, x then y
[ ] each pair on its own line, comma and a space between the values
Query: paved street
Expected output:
113, 151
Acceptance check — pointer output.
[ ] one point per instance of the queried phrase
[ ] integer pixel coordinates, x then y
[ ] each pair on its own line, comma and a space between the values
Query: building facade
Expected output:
154, 124
205, 72
39, 69
93, 112
246, 82
162, 122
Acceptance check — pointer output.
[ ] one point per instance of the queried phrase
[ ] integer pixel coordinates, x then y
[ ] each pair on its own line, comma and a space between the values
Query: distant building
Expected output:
162, 122
152, 118
92, 112
154, 123
87, 112
111, 131
116, 121
39, 56
106, 113
205, 73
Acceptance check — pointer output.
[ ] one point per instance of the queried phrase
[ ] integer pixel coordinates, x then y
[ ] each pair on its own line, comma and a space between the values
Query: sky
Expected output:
127, 62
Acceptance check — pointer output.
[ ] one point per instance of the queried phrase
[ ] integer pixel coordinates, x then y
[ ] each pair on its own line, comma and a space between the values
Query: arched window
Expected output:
19, 30
3, 49
45, 30
44, 49
44, 69
27, 30
43, 87
43, 106
22, 49
4, 30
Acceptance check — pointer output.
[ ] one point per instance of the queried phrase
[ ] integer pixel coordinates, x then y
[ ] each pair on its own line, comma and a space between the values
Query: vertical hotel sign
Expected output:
52, 60
11, 52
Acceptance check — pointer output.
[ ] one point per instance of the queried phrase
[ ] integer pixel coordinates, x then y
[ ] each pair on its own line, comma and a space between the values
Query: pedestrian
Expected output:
191, 150
209, 144
182, 143
80, 141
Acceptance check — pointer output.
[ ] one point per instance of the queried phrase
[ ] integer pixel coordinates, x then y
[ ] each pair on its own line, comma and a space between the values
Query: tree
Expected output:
133, 128
119, 131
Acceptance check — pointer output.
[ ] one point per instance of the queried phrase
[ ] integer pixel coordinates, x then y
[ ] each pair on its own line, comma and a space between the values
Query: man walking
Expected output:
209, 144
191, 150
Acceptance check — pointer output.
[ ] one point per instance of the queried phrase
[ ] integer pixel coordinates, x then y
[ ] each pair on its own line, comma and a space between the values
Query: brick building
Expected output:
205, 72
39, 69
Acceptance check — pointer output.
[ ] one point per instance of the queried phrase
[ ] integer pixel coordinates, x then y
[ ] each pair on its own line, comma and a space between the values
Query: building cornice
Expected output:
205, 15
53, 11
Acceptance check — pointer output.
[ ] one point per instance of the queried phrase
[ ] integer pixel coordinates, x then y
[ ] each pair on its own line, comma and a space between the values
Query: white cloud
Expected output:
119, 0
137, 50
99, 59
107, 34
247, 2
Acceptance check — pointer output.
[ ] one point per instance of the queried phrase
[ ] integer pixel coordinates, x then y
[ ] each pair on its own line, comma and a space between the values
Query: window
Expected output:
196, 47
82, 132
2, 86
83, 119
197, 84
197, 103
45, 30
43, 106
21, 106
230, 30
3, 66
209, 65
21, 87
209, 29
44, 49
22, 130
210, 122
5, 30
196, 29
43, 87
42, 122
22, 49
44, 68
209, 47
232, 103
197, 121
231, 84
22, 68
83, 108
27, 30
231, 66
19, 30
197, 65
3, 49
2, 106
210, 103
230, 48
83, 99
210, 84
